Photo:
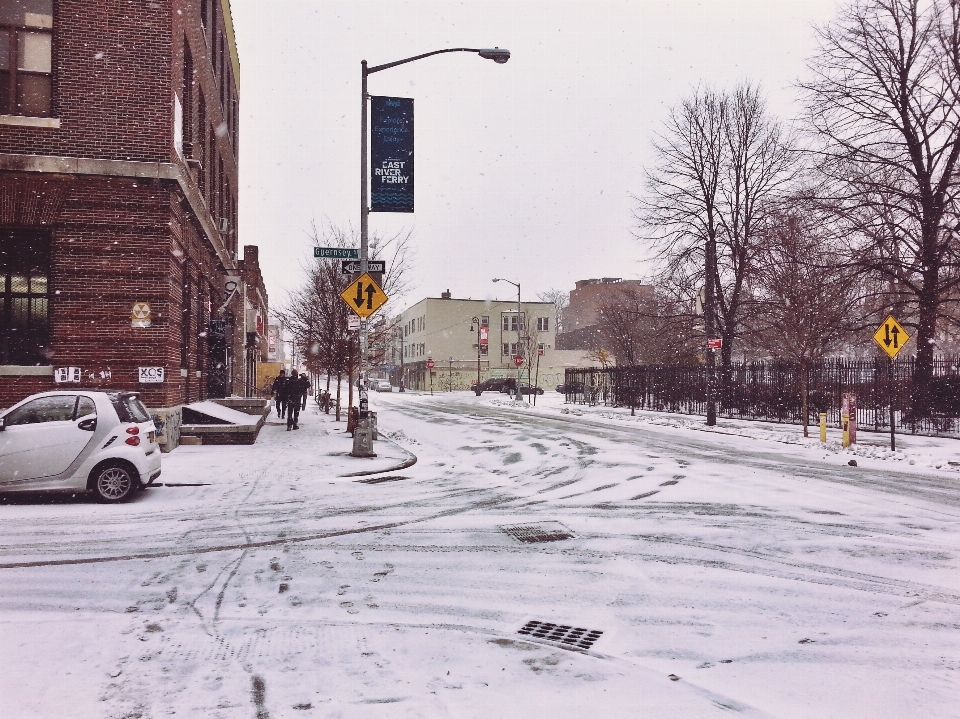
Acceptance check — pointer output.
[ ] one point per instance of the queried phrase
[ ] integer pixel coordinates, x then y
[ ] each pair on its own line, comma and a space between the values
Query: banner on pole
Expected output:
391, 154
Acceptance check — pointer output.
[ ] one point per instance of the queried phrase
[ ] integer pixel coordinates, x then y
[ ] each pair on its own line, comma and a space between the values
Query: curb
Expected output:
408, 462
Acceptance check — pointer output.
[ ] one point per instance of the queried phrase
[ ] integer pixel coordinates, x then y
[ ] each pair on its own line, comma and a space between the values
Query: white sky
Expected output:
523, 170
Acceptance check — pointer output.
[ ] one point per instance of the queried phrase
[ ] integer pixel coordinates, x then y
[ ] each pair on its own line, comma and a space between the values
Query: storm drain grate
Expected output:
565, 634
378, 480
542, 532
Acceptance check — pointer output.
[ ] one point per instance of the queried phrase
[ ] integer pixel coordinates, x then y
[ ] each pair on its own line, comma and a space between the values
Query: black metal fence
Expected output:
771, 391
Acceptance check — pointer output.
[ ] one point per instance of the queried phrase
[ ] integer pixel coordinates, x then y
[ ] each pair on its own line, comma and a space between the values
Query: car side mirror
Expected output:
89, 424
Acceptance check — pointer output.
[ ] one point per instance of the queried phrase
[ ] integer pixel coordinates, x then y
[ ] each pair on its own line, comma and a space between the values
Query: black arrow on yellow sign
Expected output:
896, 336
370, 291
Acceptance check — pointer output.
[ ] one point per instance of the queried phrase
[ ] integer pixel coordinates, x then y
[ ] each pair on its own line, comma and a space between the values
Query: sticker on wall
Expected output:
151, 374
66, 374
140, 314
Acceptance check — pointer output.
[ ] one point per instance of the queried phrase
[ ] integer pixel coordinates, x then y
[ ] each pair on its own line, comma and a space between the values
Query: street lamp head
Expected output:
496, 279
496, 54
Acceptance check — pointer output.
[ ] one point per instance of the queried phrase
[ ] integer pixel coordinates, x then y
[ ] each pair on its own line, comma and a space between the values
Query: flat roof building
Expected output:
465, 337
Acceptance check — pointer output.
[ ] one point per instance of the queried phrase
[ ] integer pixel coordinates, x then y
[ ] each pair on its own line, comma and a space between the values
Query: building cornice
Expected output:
85, 166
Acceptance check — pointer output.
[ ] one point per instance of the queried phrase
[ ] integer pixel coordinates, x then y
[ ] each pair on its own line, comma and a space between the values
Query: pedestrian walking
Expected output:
279, 386
296, 391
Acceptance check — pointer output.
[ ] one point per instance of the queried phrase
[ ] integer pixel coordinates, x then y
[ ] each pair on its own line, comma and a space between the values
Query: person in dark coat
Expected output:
306, 391
296, 390
279, 387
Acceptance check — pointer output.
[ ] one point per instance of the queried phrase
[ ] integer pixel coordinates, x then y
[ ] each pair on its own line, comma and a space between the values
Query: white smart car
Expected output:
104, 442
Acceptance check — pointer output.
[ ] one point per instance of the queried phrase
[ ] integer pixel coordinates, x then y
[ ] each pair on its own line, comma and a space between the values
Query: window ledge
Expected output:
13, 370
24, 121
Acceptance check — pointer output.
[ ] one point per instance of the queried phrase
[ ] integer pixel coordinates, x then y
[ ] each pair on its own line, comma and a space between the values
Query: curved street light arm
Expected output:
496, 54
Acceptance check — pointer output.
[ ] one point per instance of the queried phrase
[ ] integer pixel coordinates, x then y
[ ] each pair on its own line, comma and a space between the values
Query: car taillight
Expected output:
133, 430
133, 441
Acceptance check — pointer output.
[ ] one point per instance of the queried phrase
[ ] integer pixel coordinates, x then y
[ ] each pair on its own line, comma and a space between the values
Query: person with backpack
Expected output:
296, 391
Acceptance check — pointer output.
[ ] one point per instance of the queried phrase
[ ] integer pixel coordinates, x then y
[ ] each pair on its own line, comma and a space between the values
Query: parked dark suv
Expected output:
496, 384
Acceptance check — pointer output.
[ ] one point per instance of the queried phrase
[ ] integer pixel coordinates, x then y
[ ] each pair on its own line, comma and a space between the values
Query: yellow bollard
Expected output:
845, 420
823, 426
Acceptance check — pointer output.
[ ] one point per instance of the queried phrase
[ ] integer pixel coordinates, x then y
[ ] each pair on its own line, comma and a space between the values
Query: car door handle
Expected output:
88, 424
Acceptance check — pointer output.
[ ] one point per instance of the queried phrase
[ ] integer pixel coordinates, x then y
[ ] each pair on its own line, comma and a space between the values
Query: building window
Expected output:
484, 349
26, 57
509, 322
24, 298
511, 349
484, 321
543, 324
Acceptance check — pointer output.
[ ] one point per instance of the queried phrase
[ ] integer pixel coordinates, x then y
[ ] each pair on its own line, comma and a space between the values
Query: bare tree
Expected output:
641, 327
884, 100
721, 164
805, 295
560, 300
316, 315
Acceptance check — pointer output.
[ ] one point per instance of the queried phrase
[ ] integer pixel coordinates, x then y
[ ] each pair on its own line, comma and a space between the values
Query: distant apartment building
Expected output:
118, 202
582, 317
461, 336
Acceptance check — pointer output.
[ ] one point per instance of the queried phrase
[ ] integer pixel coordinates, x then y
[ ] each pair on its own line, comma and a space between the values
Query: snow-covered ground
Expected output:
740, 569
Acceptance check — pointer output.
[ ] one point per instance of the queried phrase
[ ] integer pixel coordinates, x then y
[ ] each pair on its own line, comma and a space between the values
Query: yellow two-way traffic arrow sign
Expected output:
364, 296
891, 337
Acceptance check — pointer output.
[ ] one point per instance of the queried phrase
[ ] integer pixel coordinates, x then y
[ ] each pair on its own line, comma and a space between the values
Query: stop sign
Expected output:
430, 364
518, 360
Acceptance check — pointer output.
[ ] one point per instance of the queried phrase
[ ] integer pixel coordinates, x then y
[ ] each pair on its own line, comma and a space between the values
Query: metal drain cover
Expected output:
539, 532
564, 634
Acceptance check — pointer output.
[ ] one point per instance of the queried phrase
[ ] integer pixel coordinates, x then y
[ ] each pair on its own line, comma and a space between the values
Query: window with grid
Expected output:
24, 298
26, 57
543, 324
509, 322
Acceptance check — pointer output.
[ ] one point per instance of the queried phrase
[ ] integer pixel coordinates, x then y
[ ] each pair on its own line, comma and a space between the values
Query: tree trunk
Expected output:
339, 379
923, 366
804, 389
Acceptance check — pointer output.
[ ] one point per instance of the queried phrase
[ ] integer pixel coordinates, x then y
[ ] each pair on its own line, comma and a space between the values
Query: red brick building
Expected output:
118, 200
581, 318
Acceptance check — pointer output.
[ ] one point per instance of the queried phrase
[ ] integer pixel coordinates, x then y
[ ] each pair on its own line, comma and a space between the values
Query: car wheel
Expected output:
478, 394
113, 482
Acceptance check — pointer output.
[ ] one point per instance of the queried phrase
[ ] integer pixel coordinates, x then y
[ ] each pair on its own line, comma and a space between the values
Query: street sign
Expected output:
714, 344
351, 267
353, 323
430, 364
891, 337
337, 253
364, 296
518, 360
151, 374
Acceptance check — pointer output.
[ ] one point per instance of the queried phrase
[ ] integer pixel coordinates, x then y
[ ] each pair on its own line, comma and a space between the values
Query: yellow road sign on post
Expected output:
364, 296
891, 337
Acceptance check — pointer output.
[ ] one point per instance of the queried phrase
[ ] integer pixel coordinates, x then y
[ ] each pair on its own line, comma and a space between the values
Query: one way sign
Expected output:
891, 337
364, 296
351, 267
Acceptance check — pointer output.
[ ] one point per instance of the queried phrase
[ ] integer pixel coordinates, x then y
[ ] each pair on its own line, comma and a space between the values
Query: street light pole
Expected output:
498, 55
477, 320
517, 285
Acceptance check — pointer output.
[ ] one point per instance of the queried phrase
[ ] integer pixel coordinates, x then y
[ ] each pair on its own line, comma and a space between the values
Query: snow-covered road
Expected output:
726, 574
